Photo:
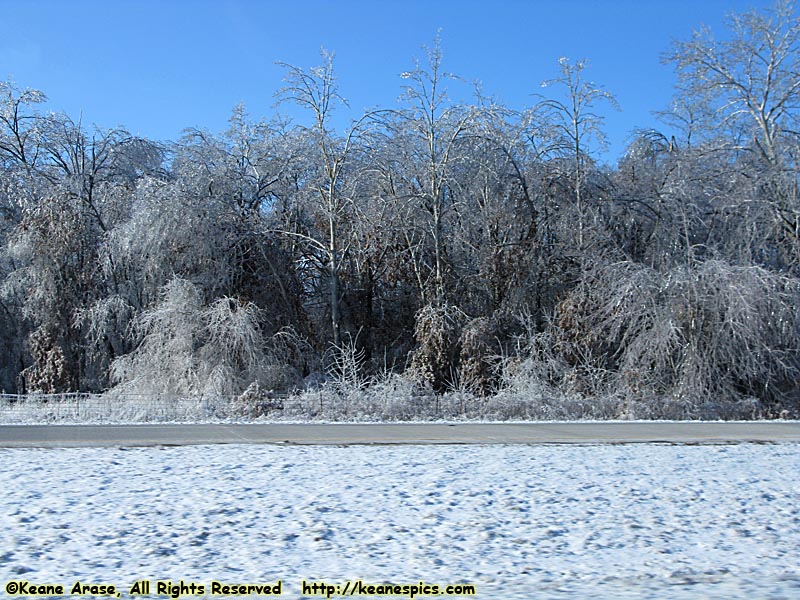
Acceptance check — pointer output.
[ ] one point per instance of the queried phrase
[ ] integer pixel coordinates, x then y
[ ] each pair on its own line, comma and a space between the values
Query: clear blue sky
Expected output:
159, 66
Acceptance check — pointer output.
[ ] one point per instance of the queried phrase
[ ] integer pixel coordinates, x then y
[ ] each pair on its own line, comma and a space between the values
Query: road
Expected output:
62, 436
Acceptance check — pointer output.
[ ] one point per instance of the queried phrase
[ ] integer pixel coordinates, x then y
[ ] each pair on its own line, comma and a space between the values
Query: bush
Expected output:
712, 340
434, 362
188, 348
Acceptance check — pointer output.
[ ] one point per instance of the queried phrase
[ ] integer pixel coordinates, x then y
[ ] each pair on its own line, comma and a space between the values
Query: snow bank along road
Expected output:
521, 522
30, 436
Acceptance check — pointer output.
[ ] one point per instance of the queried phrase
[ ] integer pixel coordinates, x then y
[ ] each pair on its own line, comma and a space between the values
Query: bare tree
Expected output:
749, 84
752, 80
428, 131
316, 90
577, 124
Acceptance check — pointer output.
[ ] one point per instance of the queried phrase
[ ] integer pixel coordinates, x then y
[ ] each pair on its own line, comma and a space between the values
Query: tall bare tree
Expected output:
750, 85
316, 90
429, 130
752, 79
577, 124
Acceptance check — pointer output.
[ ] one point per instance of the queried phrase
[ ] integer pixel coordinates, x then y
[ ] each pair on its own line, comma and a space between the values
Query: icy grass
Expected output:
99, 408
392, 400
389, 402
519, 522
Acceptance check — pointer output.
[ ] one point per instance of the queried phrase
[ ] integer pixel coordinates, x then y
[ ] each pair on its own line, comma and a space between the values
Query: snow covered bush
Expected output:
712, 337
547, 378
48, 374
477, 344
482, 344
165, 361
711, 340
189, 348
437, 331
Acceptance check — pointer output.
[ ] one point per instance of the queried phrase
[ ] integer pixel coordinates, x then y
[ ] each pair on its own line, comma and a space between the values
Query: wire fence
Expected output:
130, 408
327, 403
388, 403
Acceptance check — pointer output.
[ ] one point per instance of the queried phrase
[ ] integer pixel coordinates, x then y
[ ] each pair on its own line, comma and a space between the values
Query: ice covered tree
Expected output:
748, 83
327, 196
577, 124
188, 347
426, 133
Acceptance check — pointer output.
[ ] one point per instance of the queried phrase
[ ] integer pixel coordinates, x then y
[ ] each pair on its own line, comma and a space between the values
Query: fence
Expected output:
128, 408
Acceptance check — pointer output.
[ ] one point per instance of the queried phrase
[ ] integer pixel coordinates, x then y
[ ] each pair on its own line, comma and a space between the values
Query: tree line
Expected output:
456, 247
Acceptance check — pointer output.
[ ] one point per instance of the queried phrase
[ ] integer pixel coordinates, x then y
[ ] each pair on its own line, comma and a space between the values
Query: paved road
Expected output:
56, 436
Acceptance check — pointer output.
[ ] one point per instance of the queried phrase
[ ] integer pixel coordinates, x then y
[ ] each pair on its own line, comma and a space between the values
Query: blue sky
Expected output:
159, 66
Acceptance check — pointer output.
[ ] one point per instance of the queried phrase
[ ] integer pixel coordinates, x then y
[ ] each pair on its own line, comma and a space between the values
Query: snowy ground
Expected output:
528, 522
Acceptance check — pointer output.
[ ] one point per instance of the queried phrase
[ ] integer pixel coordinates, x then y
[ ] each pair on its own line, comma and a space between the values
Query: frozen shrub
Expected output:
476, 347
703, 339
481, 350
165, 361
233, 350
188, 348
293, 354
548, 378
345, 366
48, 374
389, 397
437, 330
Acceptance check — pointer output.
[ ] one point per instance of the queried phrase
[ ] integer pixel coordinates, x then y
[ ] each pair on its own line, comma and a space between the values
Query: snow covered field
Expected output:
527, 522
